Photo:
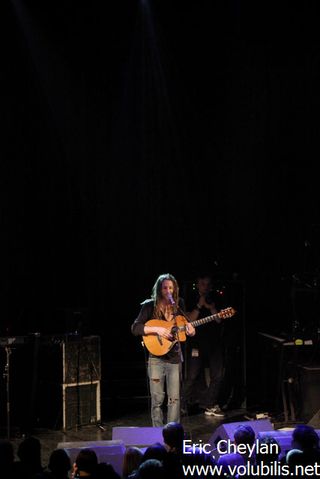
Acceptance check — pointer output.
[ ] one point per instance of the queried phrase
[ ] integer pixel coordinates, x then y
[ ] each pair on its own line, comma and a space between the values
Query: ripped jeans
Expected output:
161, 372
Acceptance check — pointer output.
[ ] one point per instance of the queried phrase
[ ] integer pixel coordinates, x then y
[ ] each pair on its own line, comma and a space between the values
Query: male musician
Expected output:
163, 305
204, 351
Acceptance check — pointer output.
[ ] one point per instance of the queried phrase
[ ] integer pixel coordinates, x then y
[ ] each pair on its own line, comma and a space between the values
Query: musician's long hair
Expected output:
156, 290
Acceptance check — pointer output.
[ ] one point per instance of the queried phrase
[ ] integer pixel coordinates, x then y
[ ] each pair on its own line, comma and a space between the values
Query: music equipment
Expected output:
287, 342
282, 360
70, 378
13, 340
171, 300
61, 370
309, 381
225, 432
138, 436
158, 346
315, 420
9, 343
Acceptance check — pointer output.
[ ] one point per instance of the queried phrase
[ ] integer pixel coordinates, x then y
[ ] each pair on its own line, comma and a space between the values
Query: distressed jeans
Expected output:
162, 374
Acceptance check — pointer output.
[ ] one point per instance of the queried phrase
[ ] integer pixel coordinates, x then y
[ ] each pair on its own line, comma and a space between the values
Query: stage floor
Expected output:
197, 427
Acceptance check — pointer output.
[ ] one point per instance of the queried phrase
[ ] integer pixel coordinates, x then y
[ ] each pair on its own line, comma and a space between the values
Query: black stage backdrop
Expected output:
143, 137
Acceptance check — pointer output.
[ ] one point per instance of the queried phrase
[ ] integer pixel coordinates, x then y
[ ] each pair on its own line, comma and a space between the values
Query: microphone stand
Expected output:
176, 328
6, 375
178, 311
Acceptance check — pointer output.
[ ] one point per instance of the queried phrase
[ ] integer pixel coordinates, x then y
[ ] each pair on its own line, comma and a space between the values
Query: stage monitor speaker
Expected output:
138, 436
110, 452
315, 420
309, 394
225, 432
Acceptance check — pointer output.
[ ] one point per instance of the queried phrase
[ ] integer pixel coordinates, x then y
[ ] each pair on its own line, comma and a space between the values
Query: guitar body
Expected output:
159, 346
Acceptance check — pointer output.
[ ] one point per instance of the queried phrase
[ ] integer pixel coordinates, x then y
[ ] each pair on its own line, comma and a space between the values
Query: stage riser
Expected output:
138, 436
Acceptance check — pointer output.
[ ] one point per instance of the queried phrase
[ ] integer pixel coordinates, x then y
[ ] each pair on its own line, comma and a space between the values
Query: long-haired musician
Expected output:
164, 370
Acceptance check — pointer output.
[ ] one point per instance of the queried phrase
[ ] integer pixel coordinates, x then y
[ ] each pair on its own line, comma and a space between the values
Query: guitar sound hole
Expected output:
174, 330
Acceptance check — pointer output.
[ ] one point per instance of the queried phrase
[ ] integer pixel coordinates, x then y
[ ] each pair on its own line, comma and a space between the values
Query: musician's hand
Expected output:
190, 329
160, 330
163, 332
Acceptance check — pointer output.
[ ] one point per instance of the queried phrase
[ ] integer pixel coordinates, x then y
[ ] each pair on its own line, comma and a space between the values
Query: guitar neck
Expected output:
223, 314
205, 320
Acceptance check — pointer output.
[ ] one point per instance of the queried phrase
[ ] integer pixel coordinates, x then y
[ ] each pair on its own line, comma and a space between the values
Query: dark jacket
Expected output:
146, 313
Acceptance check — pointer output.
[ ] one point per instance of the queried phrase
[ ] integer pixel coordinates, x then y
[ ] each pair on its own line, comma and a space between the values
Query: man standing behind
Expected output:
205, 350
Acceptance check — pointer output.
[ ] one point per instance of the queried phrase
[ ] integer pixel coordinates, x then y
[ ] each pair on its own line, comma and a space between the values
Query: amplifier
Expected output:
70, 381
309, 381
81, 404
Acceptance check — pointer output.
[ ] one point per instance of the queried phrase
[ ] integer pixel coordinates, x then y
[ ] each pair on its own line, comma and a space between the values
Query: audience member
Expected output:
29, 454
173, 436
6, 458
270, 453
199, 458
59, 464
105, 471
305, 447
131, 461
151, 469
244, 435
155, 451
267, 456
85, 464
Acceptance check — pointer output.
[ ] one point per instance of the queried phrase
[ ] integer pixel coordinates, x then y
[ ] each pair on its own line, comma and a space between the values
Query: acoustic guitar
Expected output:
158, 346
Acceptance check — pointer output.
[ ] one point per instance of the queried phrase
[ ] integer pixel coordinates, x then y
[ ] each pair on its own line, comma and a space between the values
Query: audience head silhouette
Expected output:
173, 436
85, 463
29, 453
305, 437
131, 461
244, 434
59, 462
151, 469
155, 451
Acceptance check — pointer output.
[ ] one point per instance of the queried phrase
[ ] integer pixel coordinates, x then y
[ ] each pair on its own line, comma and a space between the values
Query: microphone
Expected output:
170, 298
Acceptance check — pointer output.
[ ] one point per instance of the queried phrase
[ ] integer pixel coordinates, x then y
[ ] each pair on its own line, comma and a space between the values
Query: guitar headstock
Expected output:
227, 313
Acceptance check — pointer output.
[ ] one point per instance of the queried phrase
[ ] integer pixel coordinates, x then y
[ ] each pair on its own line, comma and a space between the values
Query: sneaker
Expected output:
214, 411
